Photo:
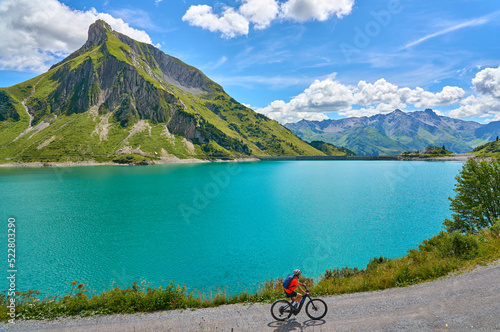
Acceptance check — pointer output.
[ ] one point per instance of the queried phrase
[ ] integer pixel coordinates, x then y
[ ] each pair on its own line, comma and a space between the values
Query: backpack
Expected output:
287, 281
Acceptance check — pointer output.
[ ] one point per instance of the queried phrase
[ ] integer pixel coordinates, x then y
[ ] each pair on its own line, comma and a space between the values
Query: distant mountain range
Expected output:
397, 132
117, 97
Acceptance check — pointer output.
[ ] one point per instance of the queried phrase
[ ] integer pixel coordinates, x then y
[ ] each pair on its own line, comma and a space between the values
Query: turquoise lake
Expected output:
226, 225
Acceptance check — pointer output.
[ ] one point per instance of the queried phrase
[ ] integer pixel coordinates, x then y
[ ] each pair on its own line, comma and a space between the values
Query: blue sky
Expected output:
291, 59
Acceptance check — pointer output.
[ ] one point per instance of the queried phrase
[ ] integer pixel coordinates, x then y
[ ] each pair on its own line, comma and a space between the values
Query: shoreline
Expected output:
457, 157
162, 161
175, 160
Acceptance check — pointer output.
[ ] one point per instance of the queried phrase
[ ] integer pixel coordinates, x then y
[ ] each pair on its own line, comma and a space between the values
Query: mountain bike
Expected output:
283, 309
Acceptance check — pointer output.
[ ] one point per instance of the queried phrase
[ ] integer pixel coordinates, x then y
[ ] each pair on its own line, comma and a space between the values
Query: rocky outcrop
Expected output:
173, 70
97, 35
7, 109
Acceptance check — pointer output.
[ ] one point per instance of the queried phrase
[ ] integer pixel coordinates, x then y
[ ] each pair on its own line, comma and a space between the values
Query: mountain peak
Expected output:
431, 113
98, 33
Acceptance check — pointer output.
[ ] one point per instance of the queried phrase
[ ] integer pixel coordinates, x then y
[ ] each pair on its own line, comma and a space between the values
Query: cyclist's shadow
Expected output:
293, 325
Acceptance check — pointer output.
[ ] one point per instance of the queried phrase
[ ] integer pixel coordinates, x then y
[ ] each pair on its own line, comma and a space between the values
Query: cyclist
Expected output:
290, 291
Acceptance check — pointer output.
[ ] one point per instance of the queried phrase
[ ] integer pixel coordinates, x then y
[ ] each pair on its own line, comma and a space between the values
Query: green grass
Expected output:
490, 149
434, 258
432, 152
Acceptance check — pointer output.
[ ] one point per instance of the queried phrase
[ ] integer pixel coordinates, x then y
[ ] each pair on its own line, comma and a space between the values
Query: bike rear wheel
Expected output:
281, 310
316, 309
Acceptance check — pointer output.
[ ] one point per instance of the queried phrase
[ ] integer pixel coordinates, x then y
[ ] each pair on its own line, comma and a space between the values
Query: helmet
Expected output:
297, 272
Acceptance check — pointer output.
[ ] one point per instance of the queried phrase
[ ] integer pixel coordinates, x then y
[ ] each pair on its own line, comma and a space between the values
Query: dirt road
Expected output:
467, 302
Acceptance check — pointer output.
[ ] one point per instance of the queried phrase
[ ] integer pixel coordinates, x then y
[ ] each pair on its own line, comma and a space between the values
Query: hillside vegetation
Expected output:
491, 149
330, 149
429, 152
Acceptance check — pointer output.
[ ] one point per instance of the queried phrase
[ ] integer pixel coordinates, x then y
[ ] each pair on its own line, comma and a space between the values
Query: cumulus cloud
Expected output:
482, 106
381, 92
233, 22
421, 98
230, 23
321, 10
487, 82
36, 32
260, 12
487, 103
328, 96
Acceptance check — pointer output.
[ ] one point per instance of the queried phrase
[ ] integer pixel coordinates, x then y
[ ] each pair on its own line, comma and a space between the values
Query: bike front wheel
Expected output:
316, 309
281, 310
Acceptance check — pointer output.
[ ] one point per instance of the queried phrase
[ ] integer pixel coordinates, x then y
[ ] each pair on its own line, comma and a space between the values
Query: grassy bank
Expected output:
434, 258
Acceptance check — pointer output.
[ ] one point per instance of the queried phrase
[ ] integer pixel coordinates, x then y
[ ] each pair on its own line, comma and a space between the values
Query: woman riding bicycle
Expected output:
290, 291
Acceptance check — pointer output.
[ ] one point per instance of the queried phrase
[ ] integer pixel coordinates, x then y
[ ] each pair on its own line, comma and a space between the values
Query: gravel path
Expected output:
467, 302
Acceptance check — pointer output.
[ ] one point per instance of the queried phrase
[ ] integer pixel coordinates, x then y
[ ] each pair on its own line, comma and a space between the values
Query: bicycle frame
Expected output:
302, 302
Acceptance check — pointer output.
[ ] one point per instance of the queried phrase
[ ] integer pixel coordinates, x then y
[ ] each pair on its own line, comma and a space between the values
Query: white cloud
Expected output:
230, 24
421, 98
487, 104
36, 32
381, 92
482, 106
214, 64
321, 10
365, 99
235, 22
474, 22
260, 12
284, 113
487, 81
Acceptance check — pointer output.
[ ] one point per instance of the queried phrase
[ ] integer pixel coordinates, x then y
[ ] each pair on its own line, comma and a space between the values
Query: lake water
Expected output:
229, 225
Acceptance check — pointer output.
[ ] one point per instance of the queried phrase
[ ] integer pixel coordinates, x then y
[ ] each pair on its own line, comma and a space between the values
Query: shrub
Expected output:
495, 228
345, 272
451, 245
375, 262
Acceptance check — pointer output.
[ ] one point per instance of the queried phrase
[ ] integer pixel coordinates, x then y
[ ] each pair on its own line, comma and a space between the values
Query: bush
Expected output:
464, 246
451, 245
345, 272
374, 263
495, 229
130, 159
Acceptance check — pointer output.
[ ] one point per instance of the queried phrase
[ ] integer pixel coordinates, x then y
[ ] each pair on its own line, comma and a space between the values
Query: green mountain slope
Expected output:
491, 149
118, 96
330, 149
